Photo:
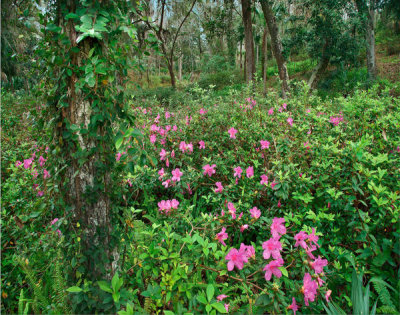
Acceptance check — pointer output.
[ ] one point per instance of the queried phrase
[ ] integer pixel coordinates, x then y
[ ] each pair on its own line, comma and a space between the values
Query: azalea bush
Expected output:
239, 203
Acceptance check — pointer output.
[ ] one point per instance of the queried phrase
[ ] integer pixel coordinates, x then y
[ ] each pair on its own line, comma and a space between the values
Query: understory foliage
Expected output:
240, 204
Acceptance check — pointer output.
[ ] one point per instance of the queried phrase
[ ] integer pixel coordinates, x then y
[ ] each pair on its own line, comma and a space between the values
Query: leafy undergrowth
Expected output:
217, 176
228, 203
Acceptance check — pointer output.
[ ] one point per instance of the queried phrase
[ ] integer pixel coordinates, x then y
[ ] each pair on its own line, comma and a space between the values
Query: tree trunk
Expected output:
170, 64
370, 39
276, 44
87, 186
264, 57
230, 38
248, 40
180, 67
318, 72
240, 55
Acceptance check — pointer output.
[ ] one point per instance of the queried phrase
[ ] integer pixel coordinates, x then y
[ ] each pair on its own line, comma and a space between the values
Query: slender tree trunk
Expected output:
276, 44
248, 40
240, 55
264, 57
180, 67
370, 39
170, 64
318, 72
229, 6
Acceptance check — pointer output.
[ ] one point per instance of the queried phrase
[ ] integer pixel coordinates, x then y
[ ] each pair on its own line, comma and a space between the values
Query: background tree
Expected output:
248, 40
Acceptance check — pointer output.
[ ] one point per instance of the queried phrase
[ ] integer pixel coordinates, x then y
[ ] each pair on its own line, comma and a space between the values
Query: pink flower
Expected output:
248, 250
153, 138
209, 170
27, 163
273, 269
163, 154
279, 203
232, 210
313, 238
226, 307
18, 164
54, 221
284, 105
255, 212
273, 184
176, 175
319, 264
167, 115
273, 248
42, 160
264, 179
236, 258
250, 172
309, 251
182, 146
189, 147
309, 288
219, 187
221, 236
166, 183
221, 297
202, 111
232, 132
202, 145
328, 295
278, 227
264, 144
300, 239
238, 172
46, 174
174, 204
293, 306
161, 172
244, 227
290, 121
40, 193
271, 111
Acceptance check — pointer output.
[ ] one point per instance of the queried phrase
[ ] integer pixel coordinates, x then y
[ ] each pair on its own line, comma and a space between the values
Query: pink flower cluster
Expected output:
237, 258
165, 206
336, 120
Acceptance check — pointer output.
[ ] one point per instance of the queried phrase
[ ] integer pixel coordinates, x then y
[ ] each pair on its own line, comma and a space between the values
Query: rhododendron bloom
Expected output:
278, 227
238, 172
167, 115
221, 236
250, 172
264, 144
273, 248
219, 187
300, 239
232, 210
314, 238
42, 160
182, 146
290, 121
153, 138
264, 179
284, 105
18, 164
236, 258
309, 251
163, 154
189, 147
28, 163
202, 111
249, 250
40, 193
226, 307
273, 184
221, 297
176, 175
309, 288
319, 264
54, 221
166, 183
202, 145
232, 132
255, 212
161, 172
271, 111
293, 306
244, 227
46, 174
328, 295
209, 170
273, 269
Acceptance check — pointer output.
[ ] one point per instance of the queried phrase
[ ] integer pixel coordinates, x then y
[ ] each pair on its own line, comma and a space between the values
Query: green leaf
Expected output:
71, 16
202, 299
219, 307
169, 313
284, 271
104, 286
74, 289
210, 292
